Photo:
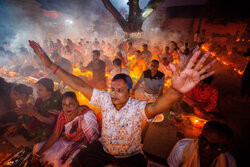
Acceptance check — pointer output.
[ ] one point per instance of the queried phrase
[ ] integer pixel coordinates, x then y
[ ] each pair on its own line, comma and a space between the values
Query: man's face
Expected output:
119, 92
154, 67
95, 57
211, 144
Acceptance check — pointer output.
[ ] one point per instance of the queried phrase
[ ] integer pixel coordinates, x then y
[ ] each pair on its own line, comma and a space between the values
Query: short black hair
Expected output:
155, 61
117, 62
145, 45
97, 52
220, 128
23, 89
138, 51
125, 78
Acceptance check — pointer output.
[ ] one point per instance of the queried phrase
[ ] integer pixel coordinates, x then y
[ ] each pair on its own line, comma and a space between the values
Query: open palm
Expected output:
192, 74
41, 54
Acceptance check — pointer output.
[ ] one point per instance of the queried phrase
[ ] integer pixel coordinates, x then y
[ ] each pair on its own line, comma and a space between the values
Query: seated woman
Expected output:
43, 115
76, 127
12, 96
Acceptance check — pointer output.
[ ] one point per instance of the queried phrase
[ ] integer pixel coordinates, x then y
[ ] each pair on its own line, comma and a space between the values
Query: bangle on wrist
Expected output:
57, 67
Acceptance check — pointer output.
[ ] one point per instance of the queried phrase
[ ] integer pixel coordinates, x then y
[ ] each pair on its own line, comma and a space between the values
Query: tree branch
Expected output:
151, 6
119, 18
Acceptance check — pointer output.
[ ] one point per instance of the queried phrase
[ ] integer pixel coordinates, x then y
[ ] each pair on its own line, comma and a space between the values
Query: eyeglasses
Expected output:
214, 146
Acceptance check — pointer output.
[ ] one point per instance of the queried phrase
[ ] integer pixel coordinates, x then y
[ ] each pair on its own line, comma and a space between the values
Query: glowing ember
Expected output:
205, 48
197, 122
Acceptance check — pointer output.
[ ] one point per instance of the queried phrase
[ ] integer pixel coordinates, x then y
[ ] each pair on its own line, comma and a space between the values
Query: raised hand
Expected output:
41, 54
192, 74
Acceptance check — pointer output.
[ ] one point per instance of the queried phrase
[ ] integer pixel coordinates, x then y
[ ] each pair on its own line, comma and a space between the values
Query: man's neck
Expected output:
153, 73
119, 106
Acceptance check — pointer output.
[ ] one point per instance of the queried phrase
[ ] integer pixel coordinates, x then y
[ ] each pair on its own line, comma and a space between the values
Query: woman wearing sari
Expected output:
40, 118
75, 128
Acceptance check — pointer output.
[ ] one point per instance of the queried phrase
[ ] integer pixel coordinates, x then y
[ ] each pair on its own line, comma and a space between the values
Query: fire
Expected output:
197, 122
77, 72
168, 83
205, 48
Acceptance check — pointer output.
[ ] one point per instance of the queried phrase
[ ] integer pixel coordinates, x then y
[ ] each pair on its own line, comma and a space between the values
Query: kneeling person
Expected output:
77, 126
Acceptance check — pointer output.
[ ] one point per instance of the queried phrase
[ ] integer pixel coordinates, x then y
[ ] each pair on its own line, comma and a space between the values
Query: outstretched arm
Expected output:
181, 83
71, 80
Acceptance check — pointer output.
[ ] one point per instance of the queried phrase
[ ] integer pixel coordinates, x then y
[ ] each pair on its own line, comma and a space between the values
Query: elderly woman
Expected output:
76, 127
44, 113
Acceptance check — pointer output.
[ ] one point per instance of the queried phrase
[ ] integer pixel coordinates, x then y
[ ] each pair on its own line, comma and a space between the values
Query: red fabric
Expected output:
51, 14
206, 98
80, 132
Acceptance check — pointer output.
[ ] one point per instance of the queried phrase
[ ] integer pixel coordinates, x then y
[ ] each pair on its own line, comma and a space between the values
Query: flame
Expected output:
77, 72
197, 122
205, 47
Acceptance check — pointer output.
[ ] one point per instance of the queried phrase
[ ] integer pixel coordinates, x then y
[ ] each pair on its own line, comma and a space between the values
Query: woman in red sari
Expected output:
76, 127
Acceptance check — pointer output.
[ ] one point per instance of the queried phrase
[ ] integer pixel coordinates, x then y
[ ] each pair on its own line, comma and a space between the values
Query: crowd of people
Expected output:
129, 83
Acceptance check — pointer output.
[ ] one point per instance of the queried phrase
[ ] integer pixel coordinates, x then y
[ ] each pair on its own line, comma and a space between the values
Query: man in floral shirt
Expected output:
122, 115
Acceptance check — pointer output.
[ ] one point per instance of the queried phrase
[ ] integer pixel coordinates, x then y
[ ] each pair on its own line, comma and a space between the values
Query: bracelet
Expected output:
57, 67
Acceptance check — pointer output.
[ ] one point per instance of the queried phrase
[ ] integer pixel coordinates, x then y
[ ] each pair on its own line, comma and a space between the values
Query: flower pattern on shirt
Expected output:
121, 130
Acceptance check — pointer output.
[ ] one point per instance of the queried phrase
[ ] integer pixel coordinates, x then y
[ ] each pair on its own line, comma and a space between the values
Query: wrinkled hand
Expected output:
190, 76
41, 54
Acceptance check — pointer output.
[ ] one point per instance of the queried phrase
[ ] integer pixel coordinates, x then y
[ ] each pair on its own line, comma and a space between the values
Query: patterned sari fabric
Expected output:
38, 129
72, 135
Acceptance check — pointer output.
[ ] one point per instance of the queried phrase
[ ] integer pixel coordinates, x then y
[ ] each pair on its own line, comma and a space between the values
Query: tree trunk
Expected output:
133, 26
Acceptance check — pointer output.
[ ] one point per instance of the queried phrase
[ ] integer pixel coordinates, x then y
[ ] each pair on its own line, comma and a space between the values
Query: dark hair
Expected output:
208, 80
117, 62
155, 61
69, 94
220, 128
23, 89
138, 51
96, 52
119, 54
125, 78
47, 83
145, 45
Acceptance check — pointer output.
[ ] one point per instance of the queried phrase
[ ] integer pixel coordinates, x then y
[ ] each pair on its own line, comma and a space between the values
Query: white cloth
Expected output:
175, 157
54, 154
121, 130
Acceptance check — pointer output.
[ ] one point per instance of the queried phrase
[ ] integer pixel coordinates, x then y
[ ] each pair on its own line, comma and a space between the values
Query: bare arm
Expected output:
181, 83
71, 80
163, 103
